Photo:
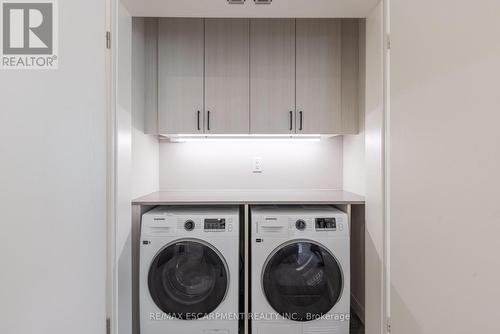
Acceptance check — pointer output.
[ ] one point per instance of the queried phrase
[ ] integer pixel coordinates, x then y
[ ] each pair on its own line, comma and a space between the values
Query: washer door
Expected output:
302, 280
188, 279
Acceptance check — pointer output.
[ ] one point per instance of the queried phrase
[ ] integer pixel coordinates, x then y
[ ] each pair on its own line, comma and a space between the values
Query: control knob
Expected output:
300, 225
189, 225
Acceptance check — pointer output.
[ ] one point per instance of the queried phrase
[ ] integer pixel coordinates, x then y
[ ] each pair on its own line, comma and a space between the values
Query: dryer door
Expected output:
188, 279
302, 280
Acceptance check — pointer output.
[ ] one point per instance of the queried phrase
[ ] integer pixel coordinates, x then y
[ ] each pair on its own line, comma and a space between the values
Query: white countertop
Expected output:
245, 196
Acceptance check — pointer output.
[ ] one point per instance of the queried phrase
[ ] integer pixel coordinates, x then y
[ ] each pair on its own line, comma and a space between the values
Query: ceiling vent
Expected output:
263, 2
235, 2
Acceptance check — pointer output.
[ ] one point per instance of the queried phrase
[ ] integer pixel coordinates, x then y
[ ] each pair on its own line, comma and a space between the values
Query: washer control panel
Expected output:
214, 224
191, 221
328, 224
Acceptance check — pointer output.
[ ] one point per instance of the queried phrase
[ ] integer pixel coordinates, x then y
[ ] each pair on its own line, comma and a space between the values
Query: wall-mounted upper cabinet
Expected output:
327, 75
259, 76
272, 76
227, 69
180, 75
319, 69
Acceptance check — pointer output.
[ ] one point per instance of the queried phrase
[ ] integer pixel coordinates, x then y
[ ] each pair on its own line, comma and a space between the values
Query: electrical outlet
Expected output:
257, 165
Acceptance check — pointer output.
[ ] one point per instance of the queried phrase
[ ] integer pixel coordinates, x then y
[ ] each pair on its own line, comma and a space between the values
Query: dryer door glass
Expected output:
302, 281
188, 279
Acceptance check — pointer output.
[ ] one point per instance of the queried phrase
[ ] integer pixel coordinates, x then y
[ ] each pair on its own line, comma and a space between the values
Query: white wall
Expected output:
363, 174
444, 168
53, 184
123, 160
144, 158
354, 177
228, 165
374, 164
354, 180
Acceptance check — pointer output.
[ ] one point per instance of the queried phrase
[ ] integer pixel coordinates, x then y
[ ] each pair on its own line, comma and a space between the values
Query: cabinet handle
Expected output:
198, 121
300, 120
291, 120
208, 120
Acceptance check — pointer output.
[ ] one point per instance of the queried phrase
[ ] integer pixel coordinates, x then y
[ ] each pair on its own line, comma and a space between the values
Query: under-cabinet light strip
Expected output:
226, 138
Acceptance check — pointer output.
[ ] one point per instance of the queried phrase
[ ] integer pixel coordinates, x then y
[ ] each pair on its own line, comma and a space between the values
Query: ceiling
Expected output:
278, 8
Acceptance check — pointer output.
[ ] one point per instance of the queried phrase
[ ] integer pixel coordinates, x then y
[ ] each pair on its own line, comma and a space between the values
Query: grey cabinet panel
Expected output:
272, 76
151, 76
180, 79
261, 76
227, 81
350, 76
319, 79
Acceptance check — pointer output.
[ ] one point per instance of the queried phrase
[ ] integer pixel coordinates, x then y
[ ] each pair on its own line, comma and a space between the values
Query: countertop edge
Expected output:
333, 196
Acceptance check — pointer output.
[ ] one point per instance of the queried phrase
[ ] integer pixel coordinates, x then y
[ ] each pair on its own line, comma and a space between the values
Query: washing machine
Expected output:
189, 270
299, 270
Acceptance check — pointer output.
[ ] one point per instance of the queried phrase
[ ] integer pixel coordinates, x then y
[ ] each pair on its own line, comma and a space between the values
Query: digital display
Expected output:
326, 224
215, 224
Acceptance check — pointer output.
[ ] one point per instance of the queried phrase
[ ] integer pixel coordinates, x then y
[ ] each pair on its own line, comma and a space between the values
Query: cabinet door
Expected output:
272, 76
227, 81
318, 76
180, 79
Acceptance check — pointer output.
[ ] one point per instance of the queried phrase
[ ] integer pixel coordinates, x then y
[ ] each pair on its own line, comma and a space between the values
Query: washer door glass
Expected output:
302, 281
188, 279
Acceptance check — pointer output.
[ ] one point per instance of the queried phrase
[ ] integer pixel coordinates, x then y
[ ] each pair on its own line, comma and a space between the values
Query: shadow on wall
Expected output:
124, 269
406, 321
358, 260
373, 297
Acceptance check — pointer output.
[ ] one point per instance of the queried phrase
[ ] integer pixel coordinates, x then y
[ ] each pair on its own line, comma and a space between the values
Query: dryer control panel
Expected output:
299, 221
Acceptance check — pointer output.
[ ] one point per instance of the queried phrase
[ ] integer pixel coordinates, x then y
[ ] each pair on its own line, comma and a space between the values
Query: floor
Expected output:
356, 325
